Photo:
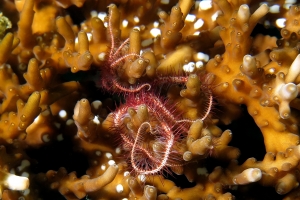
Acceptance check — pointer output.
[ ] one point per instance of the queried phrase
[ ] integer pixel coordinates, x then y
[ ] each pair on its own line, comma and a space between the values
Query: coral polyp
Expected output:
156, 99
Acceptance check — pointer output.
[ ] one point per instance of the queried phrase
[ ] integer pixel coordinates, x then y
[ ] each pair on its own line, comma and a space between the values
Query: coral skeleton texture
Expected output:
153, 99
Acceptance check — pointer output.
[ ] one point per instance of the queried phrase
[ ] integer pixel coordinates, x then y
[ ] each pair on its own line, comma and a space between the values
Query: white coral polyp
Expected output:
288, 92
294, 70
248, 176
14, 182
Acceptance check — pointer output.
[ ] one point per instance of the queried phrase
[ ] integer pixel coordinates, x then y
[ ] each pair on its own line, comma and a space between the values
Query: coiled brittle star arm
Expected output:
160, 165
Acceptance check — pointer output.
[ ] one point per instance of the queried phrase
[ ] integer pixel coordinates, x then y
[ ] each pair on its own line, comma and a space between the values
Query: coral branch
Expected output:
139, 97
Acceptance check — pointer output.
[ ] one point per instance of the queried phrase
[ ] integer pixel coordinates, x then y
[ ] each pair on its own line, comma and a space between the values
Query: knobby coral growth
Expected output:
168, 63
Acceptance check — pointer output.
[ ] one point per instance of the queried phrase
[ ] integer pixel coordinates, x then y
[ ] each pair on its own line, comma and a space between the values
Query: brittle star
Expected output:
115, 59
164, 123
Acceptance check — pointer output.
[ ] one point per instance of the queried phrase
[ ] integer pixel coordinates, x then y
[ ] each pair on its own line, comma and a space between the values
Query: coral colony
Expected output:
152, 99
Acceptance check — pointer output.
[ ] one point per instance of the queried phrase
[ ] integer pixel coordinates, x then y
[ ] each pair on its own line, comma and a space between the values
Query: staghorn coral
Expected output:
136, 99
